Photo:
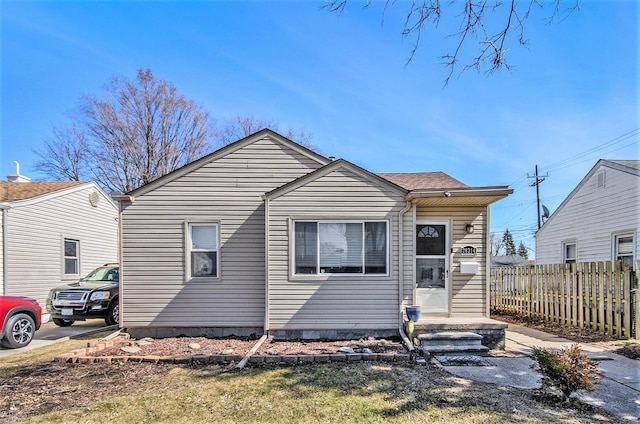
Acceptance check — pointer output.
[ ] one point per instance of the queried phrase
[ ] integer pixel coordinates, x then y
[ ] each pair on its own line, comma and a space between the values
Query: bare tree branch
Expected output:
243, 126
493, 37
141, 130
65, 156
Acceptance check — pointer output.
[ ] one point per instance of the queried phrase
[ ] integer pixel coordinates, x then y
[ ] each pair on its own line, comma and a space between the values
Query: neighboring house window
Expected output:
71, 257
341, 247
203, 250
623, 249
570, 252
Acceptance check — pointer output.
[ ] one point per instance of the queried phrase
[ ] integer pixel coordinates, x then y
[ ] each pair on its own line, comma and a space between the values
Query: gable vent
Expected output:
601, 179
94, 198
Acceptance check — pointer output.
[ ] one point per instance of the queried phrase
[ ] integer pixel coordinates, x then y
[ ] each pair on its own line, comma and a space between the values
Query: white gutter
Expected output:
401, 265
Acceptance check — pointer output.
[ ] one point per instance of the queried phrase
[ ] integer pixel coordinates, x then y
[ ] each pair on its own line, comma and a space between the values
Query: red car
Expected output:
20, 317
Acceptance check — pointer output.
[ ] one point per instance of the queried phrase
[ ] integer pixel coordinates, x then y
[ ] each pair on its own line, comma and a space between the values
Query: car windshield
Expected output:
104, 273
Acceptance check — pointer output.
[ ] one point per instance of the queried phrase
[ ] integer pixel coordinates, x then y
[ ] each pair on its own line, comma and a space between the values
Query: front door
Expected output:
432, 266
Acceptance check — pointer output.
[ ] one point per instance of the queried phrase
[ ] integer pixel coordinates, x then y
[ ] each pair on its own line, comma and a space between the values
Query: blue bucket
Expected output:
413, 313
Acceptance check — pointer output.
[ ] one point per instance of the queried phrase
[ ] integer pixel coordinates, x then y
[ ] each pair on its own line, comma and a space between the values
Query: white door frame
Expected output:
434, 300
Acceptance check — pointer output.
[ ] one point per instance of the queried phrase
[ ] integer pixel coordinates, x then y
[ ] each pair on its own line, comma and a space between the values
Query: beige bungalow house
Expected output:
265, 236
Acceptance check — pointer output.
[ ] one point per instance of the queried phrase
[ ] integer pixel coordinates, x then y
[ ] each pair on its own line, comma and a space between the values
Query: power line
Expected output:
624, 137
597, 149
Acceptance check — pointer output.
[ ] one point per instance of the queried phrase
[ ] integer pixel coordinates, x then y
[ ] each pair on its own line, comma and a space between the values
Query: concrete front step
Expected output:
452, 343
456, 350
449, 338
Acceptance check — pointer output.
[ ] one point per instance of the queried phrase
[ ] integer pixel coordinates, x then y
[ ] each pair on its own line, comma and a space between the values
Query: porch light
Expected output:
469, 228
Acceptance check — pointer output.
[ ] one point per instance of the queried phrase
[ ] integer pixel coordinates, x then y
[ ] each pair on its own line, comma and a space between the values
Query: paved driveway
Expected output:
49, 333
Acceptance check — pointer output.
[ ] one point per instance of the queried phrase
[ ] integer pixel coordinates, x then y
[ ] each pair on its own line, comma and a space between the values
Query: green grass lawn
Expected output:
324, 393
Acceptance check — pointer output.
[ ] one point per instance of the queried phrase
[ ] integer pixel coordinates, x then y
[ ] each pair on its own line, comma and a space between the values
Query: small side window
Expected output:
71, 257
570, 252
202, 251
623, 249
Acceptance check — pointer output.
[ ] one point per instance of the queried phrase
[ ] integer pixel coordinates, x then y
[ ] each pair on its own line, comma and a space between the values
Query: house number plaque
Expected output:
468, 250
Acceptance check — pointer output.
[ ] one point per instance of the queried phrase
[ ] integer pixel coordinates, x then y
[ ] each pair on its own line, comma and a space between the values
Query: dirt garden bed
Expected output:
628, 348
202, 350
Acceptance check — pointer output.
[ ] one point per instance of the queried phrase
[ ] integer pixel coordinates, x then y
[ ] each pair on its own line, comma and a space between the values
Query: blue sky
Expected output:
571, 98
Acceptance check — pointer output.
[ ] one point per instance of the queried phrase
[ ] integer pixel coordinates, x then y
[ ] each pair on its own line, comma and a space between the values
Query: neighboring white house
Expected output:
265, 235
598, 221
53, 233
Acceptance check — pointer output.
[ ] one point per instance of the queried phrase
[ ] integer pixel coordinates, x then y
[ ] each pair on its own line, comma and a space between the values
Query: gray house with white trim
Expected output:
52, 233
266, 236
598, 221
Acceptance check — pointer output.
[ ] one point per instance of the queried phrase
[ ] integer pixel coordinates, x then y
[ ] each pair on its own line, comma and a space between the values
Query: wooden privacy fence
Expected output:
601, 296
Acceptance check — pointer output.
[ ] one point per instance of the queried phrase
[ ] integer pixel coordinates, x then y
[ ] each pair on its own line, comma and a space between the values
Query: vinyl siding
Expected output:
226, 191
334, 302
35, 234
2, 265
591, 218
468, 295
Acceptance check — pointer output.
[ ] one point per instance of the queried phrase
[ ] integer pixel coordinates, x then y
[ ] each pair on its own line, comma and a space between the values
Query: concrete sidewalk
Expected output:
618, 391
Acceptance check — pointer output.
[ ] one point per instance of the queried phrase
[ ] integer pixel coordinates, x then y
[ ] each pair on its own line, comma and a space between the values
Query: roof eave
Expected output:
472, 196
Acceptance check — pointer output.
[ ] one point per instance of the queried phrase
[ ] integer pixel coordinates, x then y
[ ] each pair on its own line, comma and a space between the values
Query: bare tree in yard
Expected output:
491, 24
136, 132
65, 156
143, 129
243, 126
496, 243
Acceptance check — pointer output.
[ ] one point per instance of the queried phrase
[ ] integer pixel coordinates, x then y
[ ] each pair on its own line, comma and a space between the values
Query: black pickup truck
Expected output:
94, 296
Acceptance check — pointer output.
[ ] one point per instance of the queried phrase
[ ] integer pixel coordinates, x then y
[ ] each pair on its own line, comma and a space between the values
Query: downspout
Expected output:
266, 266
5, 259
487, 265
401, 265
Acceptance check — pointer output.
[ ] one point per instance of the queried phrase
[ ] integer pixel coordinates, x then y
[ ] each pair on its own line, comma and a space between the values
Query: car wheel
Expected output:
113, 314
62, 322
20, 331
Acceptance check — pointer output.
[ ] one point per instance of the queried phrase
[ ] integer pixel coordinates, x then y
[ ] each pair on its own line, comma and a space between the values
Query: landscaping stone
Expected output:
130, 349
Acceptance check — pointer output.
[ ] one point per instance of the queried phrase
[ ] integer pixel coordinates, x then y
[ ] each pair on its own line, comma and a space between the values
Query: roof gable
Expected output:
11, 192
628, 166
226, 150
331, 167
32, 193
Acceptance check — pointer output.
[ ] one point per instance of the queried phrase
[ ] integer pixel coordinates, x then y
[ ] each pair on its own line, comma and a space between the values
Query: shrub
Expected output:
568, 370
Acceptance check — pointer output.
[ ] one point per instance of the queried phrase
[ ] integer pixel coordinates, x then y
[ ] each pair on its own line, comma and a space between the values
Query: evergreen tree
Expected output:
509, 244
522, 251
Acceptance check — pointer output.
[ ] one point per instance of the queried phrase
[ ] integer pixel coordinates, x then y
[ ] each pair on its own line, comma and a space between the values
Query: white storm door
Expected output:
432, 266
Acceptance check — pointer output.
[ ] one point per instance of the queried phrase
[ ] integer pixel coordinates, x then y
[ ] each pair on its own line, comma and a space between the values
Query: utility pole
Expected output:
536, 184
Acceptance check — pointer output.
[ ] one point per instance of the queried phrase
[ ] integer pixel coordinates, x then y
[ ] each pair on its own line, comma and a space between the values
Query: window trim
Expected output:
188, 225
565, 244
65, 275
615, 245
337, 275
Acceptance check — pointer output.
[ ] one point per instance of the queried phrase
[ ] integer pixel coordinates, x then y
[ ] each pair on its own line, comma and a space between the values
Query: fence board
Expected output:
595, 295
